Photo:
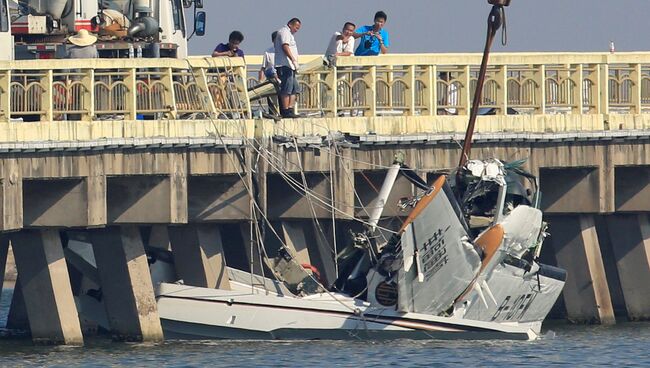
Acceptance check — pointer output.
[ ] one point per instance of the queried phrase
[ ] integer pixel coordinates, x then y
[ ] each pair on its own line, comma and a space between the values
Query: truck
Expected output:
156, 28
6, 40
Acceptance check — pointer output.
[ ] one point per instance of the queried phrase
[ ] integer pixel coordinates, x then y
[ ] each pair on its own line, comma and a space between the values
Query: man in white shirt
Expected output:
286, 65
268, 62
341, 44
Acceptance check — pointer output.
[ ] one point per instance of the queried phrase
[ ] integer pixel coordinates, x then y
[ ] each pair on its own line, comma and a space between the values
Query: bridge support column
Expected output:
4, 250
126, 284
17, 318
586, 293
295, 239
630, 236
312, 245
199, 257
45, 285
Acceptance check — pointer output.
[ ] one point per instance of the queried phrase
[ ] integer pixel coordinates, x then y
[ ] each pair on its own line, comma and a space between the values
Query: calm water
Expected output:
625, 345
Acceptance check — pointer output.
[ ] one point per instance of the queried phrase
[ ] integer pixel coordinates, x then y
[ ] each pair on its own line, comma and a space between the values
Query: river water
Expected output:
625, 345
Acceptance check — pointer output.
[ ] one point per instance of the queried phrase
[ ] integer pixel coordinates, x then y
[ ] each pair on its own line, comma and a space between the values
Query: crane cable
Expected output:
496, 19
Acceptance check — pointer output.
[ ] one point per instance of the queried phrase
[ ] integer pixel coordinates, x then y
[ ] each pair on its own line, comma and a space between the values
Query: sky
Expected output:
433, 26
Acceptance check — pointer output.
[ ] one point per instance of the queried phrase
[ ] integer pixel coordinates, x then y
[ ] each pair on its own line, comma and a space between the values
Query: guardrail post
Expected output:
5, 95
202, 81
502, 95
47, 99
371, 92
603, 89
466, 92
431, 90
410, 94
594, 89
540, 89
170, 94
241, 71
637, 78
578, 90
131, 95
331, 80
88, 98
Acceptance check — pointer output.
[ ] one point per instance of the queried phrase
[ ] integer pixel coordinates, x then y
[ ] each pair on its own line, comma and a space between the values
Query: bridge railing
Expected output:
444, 84
123, 89
403, 85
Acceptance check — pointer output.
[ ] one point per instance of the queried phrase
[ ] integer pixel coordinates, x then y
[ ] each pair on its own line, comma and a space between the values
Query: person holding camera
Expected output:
230, 49
374, 38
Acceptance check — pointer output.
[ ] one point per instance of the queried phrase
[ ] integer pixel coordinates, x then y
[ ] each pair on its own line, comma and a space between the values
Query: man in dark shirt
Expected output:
230, 49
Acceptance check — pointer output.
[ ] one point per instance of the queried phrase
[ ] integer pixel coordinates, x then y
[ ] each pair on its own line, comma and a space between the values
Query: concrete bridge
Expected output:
133, 155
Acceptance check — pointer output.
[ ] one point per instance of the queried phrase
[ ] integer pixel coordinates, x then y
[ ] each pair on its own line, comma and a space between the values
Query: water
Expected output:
624, 345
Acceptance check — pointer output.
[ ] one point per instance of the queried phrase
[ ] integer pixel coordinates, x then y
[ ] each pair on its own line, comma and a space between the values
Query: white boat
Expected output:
188, 312
431, 281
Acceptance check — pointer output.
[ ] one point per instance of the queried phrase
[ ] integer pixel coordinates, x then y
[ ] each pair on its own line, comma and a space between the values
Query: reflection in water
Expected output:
623, 345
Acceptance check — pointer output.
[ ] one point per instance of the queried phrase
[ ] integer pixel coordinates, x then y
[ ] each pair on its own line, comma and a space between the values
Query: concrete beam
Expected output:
630, 236
632, 192
45, 284
218, 198
344, 184
96, 191
293, 203
570, 190
144, 199
126, 284
586, 292
367, 186
199, 257
55, 203
11, 194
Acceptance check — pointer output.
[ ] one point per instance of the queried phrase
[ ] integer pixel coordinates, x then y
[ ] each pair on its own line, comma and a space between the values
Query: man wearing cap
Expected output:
83, 46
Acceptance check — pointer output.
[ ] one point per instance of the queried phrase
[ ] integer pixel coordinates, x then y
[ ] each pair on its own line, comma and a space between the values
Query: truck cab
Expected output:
6, 39
156, 28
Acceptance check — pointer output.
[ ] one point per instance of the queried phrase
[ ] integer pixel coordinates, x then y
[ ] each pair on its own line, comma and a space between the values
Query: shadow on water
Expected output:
621, 345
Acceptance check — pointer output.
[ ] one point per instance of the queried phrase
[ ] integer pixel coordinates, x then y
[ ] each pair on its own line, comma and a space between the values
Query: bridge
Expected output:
131, 155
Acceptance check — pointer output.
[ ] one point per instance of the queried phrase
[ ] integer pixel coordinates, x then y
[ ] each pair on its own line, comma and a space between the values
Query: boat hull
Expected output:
198, 313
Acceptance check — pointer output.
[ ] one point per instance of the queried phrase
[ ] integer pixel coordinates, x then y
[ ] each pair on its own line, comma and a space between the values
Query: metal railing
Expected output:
123, 89
402, 85
443, 84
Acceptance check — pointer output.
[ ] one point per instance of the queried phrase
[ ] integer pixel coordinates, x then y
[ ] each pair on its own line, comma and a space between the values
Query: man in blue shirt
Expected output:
373, 39
230, 49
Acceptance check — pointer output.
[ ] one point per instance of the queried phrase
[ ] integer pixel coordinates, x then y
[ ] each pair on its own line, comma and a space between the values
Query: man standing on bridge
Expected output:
374, 38
286, 64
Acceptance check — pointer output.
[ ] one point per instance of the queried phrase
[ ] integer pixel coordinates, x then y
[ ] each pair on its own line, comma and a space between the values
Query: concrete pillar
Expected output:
322, 252
11, 195
295, 239
586, 292
45, 285
251, 249
4, 249
199, 257
126, 284
630, 236
159, 237
17, 318
96, 191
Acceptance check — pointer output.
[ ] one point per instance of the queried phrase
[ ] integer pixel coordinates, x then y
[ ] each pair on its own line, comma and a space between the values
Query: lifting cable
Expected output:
496, 19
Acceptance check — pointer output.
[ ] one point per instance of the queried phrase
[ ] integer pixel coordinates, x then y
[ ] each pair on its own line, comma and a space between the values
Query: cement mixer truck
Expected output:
6, 40
155, 28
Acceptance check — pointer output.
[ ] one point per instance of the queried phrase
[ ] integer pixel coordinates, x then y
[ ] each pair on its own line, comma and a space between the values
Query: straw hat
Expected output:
83, 38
